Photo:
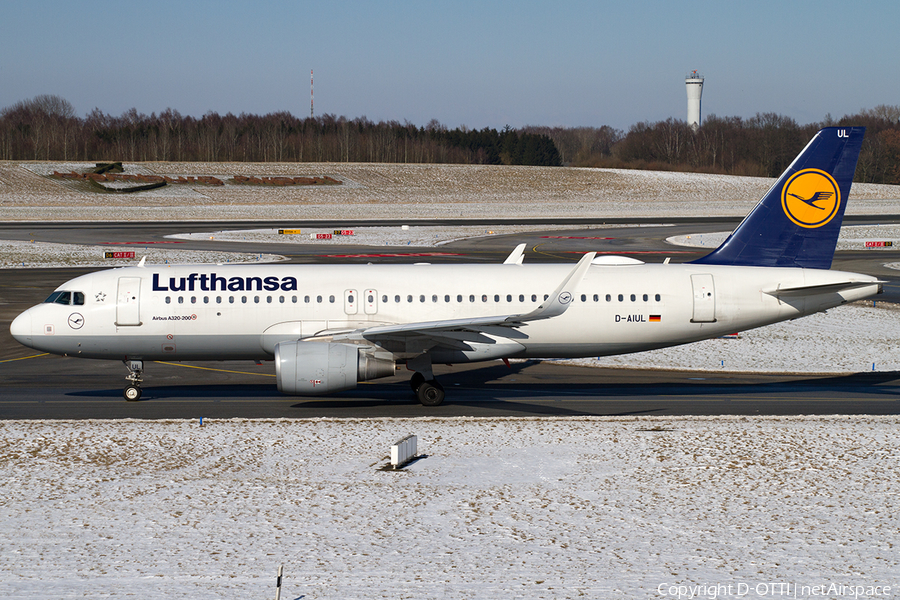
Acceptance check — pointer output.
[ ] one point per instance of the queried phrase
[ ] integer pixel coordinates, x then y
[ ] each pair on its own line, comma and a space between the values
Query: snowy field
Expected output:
502, 508
16, 254
397, 191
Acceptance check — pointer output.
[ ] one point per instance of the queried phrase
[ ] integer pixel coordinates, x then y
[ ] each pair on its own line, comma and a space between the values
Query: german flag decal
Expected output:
655, 318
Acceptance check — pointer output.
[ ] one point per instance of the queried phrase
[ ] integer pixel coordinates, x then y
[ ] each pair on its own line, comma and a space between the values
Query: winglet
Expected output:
516, 256
562, 297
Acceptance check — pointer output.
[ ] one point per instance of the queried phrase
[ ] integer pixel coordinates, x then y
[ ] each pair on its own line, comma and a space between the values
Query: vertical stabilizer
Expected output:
796, 224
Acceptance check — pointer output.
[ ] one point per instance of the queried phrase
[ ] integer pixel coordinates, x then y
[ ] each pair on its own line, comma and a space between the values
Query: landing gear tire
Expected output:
430, 393
132, 393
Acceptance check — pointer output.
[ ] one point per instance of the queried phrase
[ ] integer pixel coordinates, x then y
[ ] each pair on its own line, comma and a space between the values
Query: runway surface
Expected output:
47, 387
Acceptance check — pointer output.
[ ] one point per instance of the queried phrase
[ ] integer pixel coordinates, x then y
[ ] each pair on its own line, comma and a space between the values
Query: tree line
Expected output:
47, 128
763, 145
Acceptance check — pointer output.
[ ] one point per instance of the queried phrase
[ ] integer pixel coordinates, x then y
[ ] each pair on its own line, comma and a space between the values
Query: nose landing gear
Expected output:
132, 391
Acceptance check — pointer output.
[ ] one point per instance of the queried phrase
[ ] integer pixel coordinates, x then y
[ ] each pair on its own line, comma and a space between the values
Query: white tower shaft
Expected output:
694, 84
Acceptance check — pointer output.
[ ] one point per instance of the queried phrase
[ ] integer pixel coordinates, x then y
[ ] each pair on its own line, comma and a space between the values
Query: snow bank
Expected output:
500, 508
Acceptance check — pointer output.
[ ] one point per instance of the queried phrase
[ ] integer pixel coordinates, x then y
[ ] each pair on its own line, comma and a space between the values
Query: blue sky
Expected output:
474, 63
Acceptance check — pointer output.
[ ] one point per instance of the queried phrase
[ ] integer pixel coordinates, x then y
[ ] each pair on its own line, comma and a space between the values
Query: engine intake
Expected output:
319, 368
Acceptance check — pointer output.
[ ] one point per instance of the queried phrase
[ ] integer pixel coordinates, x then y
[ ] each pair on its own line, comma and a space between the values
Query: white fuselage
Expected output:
220, 312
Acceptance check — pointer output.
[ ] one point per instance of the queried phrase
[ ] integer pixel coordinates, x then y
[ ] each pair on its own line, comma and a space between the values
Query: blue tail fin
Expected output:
797, 222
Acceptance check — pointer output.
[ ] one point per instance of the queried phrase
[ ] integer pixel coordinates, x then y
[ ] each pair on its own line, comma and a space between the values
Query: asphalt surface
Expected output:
50, 387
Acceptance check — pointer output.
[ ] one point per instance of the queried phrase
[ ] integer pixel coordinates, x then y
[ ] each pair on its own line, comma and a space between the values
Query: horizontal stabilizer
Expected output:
809, 290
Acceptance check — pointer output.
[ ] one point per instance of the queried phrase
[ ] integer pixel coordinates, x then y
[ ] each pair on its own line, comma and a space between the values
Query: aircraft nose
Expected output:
21, 329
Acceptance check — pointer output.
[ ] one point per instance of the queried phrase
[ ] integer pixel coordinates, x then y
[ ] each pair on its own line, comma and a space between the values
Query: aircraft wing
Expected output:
555, 305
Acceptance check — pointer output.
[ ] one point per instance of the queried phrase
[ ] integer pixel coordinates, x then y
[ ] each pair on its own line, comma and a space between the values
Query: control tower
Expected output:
694, 84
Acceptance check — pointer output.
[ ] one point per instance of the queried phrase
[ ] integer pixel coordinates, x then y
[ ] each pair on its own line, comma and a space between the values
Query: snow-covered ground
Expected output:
501, 508
397, 191
849, 339
852, 237
17, 254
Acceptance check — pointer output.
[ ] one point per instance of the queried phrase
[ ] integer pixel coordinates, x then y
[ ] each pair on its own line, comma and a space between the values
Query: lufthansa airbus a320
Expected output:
328, 327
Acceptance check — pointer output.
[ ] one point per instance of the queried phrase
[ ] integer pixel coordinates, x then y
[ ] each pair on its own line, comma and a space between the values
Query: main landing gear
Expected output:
427, 389
428, 392
132, 391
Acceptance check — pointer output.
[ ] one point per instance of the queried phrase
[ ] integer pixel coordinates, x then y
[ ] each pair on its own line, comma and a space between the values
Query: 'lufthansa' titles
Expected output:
210, 282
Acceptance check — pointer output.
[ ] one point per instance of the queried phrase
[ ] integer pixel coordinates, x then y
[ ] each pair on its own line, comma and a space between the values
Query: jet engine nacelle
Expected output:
319, 368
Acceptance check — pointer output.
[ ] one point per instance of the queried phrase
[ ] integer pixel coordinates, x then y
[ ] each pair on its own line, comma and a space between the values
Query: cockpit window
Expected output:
66, 298
59, 298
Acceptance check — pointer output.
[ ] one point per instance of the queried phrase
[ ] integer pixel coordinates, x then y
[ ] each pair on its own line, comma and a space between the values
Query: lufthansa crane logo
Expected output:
810, 198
